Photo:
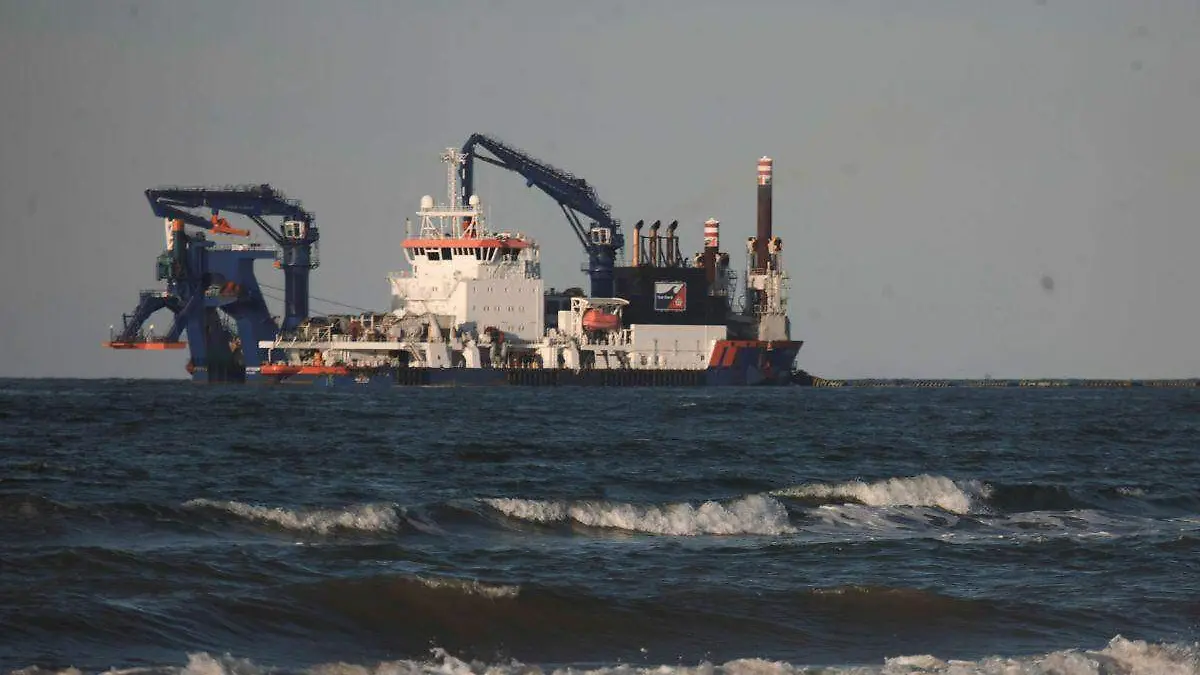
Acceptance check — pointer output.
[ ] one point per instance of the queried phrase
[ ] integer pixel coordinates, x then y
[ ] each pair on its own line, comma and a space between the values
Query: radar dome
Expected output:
474, 200
427, 202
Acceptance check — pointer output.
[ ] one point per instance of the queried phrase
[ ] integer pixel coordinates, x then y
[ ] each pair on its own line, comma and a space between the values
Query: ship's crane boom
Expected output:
296, 236
574, 196
253, 201
207, 284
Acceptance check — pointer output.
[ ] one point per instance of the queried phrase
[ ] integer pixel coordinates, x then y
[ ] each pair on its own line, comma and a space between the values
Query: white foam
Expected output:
472, 587
923, 490
364, 517
1119, 657
530, 509
755, 514
1081, 524
204, 664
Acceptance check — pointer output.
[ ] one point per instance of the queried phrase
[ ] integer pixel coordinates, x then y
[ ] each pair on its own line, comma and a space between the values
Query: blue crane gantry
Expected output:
602, 240
203, 277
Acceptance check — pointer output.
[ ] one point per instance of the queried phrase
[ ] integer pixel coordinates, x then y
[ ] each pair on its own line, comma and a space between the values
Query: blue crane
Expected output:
574, 196
203, 277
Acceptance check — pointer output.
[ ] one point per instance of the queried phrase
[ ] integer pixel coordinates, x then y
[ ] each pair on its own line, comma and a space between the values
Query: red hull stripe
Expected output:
718, 352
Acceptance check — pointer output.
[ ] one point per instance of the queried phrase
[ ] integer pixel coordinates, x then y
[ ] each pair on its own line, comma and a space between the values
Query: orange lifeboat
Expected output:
287, 369
279, 369
595, 319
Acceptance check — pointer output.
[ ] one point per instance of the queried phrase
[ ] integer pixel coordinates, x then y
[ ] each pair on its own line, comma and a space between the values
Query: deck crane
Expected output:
601, 240
202, 277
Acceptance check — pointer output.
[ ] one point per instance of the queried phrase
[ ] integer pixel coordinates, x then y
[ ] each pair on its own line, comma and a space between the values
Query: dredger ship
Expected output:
472, 307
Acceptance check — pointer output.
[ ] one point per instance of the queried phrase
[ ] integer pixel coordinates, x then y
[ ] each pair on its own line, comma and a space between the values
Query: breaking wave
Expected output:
754, 514
362, 518
1120, 656
925, 490
901, 507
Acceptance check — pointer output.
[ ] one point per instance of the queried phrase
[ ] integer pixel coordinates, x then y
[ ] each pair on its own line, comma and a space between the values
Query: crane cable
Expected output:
313, 297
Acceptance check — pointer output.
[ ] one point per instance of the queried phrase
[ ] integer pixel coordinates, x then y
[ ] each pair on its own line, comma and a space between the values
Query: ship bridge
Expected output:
460, 268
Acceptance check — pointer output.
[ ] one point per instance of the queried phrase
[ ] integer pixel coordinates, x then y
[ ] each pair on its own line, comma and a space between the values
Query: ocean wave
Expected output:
362, 518
1027, 497
855, 522
24, 506
406, 613
471, 587
753, 514
1083, 524
839, 522
421, 606
1120, 656
924, 490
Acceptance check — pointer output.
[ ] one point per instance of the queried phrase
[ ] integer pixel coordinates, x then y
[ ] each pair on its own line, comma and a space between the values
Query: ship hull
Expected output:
734, 363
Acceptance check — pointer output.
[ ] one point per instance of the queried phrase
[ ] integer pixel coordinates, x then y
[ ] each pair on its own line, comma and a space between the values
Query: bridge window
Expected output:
446, 255
293, 229
433, 254
600, 235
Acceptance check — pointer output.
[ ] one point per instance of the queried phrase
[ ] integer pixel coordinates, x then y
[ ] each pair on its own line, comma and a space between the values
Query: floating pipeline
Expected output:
994, 383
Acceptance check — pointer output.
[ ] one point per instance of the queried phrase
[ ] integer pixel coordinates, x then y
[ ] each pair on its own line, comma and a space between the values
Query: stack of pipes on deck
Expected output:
662, 250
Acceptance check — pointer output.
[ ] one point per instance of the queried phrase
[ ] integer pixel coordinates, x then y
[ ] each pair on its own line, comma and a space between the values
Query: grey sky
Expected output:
935, 161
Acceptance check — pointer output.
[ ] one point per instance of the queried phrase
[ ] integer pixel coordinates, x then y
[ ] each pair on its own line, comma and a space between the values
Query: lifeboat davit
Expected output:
595, 319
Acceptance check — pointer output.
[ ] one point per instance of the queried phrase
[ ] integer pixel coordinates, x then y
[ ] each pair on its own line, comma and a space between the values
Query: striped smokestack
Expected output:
765, 170
712, 243
712, 234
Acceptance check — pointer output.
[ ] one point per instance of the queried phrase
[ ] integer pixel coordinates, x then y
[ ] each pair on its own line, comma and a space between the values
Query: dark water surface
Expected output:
169, 527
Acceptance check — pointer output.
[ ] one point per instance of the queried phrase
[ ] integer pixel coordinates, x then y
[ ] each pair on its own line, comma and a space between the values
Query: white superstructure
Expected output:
461, 270
471, 298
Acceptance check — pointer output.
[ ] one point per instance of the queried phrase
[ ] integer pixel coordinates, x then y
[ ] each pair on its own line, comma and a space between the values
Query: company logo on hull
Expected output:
670, 296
